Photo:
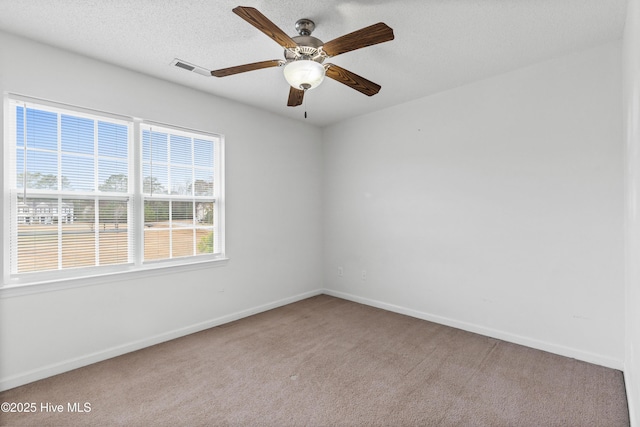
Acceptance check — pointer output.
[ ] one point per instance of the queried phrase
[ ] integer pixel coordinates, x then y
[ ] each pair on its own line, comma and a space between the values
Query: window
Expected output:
178, 193
89, 192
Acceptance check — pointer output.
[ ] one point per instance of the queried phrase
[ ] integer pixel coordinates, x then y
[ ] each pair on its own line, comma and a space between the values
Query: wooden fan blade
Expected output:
295, 97
352, 80
368, 36
261, 22
244, 68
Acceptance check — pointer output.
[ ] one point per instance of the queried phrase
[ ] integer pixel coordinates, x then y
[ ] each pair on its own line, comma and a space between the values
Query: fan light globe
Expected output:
304, 74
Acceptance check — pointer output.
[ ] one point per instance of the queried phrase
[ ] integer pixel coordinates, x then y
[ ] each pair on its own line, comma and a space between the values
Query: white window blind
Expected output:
71, 200
89, 190
179, 193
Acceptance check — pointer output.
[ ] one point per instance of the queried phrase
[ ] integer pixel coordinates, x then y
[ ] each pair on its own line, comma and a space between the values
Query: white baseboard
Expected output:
88, 359
68, 365
493, 333
633, 401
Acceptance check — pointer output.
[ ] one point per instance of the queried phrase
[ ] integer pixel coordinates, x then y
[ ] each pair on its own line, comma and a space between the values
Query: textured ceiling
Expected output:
439, 44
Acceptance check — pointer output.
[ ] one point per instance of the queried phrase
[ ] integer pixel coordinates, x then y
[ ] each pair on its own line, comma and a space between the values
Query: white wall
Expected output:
272, 221
631, 69
495, 207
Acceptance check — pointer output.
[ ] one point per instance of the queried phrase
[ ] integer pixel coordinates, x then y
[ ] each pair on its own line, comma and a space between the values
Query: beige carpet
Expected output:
329, 362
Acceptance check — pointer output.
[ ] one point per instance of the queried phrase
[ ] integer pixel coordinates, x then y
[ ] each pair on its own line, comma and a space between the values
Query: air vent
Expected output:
185, 66
190, 67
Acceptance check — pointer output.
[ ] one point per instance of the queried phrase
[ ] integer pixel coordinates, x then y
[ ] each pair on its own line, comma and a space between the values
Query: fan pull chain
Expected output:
304, 100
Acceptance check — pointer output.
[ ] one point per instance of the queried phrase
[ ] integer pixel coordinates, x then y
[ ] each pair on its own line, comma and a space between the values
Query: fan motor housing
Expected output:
308, 47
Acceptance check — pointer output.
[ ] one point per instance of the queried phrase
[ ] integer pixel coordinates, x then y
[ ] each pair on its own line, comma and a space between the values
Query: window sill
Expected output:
39, 286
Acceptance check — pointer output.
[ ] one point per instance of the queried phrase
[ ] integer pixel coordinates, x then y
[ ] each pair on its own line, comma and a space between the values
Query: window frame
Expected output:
169, 196
18, 283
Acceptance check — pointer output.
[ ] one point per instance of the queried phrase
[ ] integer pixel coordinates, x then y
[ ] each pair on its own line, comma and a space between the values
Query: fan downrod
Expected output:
305, 26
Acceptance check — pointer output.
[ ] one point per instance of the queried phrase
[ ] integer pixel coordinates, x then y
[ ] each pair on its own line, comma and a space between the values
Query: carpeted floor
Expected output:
330, 362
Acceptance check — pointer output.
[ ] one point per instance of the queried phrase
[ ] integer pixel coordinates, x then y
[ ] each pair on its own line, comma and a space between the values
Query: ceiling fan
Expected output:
304, 67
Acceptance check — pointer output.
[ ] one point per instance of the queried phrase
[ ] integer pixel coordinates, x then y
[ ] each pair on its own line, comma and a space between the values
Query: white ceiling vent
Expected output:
190, 67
